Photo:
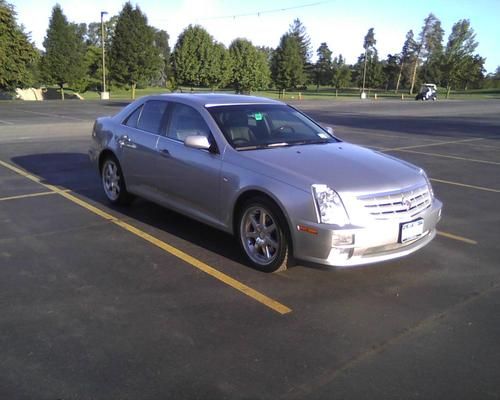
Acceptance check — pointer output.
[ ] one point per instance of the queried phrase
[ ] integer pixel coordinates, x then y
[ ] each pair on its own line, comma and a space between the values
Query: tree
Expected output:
161, 44
192, 56
428, 41
221, 67
62, 63
133, 55
459, 51
94, 32
433, 46
341, 73
250, 68
369, 46
406, 55
17, 53
390, 69
298, 31
287, 63
323, 67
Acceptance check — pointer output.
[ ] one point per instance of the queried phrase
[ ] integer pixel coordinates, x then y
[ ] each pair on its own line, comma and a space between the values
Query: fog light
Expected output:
339, 254
342, 239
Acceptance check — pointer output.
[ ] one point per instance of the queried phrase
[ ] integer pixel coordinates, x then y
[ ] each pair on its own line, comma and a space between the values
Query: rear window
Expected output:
152, 116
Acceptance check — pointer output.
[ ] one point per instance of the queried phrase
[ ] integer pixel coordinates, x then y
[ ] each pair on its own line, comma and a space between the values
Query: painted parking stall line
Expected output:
485, 189
200, 265
456, 237
431, 144
30, 195
450, 157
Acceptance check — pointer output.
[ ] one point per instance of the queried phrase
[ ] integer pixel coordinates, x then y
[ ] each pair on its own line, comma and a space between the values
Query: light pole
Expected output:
104, 94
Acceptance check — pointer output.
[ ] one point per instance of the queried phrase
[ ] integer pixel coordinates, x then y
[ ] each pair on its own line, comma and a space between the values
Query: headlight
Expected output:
431, 191
329, 206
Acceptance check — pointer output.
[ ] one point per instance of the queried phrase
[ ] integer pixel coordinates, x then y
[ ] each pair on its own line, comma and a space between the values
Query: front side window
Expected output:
252, 126
186, 121
152, 116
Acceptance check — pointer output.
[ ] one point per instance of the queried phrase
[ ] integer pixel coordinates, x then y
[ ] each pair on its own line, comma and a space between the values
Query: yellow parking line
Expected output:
24, 196
235, 284
465, 185
364, 133
452, 157
456, 237
431, 144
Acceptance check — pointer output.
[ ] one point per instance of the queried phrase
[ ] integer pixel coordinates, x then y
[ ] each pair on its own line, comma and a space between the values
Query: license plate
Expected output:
411, 230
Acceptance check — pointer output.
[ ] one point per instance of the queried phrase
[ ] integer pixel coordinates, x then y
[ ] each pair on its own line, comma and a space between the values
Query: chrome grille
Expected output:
397, 205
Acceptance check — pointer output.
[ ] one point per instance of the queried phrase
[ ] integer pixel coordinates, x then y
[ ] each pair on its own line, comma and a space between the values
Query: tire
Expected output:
263, 235
113, 182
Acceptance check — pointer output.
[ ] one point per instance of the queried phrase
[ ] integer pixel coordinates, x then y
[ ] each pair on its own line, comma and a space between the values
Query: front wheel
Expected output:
263, 235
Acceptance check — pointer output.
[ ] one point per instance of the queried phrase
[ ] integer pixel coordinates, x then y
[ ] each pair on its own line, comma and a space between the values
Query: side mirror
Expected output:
330, 130
197, 142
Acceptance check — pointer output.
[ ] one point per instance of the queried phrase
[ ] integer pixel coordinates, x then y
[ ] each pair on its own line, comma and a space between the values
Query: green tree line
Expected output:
138, 54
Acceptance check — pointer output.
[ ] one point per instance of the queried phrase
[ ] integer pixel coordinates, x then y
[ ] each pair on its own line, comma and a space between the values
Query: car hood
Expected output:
342, 166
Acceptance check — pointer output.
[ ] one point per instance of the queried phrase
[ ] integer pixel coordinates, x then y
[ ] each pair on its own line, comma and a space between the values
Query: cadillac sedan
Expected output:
286, 187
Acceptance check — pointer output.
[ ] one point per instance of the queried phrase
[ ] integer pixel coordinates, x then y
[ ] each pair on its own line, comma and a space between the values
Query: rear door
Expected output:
140, 133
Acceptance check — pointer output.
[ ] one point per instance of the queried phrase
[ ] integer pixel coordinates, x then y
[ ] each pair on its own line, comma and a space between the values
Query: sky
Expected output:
341, 24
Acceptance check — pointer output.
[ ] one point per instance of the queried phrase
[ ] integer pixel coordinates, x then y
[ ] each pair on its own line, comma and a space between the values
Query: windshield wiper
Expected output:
312, 141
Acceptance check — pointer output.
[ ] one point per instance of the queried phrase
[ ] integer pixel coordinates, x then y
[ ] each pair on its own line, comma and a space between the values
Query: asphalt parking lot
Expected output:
142, 303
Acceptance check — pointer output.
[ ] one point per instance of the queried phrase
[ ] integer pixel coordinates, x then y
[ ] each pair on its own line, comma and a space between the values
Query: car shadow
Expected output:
74, 172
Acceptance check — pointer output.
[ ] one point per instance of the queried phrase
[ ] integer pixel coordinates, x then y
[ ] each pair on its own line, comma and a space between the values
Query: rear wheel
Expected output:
113, 182
263, 235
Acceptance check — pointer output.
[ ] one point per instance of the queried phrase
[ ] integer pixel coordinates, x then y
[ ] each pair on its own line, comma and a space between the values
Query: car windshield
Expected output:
256, 126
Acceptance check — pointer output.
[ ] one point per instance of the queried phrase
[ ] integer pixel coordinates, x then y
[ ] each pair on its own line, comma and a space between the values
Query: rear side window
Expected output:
152, 116
133, 118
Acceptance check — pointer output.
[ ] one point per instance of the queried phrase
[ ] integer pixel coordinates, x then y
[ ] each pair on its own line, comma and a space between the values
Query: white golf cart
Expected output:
428, 91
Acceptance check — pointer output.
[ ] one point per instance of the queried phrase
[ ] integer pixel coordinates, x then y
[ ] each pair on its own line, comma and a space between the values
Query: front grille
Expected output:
397, 205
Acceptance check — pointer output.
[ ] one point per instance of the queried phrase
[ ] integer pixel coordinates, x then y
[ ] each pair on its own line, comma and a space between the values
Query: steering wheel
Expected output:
284, 129
240, 141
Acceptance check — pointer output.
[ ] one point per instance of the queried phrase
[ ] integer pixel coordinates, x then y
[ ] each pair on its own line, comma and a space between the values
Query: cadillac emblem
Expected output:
406, 203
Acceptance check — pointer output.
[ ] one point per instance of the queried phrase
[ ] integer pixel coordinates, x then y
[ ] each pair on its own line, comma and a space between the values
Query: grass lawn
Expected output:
324, 93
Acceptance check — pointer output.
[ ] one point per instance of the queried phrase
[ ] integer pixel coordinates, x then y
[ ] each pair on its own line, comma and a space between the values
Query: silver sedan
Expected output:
286, 187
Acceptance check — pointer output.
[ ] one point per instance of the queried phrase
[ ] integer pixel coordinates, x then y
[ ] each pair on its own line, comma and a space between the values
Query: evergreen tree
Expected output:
299, 32
431, 68
323, 67
390, 69
369, 46
287, 63
192, 57
17, 53
63, 60
458, 56
161, 43
220, 68
406, 55
429, 42
133, 57
250, 68
341, 73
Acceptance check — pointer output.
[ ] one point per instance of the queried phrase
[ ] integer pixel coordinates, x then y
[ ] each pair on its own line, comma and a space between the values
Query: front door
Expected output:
190, 178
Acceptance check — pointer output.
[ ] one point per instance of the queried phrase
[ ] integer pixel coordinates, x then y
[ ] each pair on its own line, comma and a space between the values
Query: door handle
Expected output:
125, 141
165, 152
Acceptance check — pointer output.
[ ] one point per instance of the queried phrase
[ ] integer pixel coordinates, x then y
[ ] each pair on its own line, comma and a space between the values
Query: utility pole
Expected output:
363, 94
104, 94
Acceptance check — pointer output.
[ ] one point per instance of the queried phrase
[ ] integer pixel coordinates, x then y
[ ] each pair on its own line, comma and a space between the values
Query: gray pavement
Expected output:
91, 311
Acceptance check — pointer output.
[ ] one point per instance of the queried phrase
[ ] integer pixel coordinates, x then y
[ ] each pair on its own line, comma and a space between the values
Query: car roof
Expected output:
215, 99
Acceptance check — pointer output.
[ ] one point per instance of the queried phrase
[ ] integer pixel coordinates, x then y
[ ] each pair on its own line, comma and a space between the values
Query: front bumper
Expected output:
375, 242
